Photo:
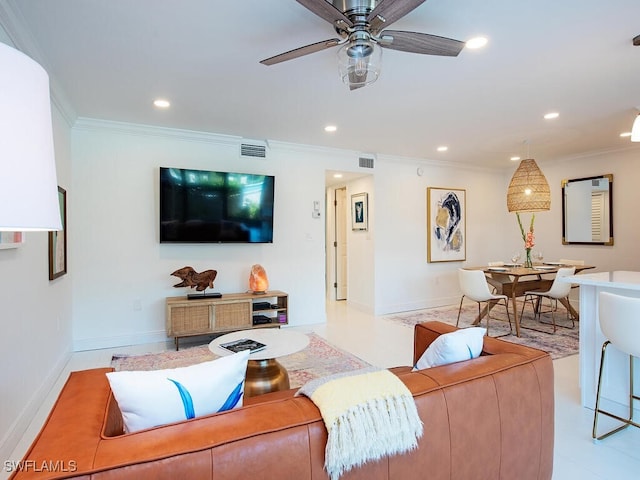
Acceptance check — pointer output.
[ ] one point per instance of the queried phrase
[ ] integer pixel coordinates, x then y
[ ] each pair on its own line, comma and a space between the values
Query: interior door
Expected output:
340, 243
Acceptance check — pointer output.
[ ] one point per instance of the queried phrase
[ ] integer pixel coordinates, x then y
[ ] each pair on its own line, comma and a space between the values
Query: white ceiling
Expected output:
112, 58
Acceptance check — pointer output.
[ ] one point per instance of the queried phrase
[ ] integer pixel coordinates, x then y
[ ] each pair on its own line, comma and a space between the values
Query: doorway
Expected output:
348, 254
340, 243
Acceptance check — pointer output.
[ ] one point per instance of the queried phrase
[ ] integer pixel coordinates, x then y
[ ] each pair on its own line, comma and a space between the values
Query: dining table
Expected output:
513, 280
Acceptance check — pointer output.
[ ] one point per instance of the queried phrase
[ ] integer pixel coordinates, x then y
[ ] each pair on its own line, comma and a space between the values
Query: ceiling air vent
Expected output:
253, 150
365, 162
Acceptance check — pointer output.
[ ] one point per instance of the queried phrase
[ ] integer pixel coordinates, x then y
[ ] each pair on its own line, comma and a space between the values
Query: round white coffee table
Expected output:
264, 373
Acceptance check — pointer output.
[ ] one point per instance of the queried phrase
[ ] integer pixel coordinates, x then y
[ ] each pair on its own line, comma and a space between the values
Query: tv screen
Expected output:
198, 206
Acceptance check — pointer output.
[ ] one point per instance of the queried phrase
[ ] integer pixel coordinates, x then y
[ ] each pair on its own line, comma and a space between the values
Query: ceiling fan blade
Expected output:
299, 52
326, 10
420, 43
388, 11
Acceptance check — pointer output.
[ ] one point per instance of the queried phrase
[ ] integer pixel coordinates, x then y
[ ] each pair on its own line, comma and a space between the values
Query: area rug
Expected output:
319, 359
560, 344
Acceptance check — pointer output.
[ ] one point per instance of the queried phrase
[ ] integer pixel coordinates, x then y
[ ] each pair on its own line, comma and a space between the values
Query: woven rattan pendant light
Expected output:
528, 190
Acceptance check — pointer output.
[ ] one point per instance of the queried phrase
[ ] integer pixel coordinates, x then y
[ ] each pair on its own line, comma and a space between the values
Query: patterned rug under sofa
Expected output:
319, 359
560, 344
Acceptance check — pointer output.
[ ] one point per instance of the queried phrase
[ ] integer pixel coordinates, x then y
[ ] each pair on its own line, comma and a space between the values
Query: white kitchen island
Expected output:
615, 390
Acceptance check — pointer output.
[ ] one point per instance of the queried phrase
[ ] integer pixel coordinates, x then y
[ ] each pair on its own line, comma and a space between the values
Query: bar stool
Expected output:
619, 318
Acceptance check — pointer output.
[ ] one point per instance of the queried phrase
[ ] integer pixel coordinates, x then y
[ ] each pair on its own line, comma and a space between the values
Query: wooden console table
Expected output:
230, 312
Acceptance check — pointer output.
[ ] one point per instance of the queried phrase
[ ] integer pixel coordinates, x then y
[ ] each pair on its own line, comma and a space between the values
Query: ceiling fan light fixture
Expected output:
360, 49
359, 63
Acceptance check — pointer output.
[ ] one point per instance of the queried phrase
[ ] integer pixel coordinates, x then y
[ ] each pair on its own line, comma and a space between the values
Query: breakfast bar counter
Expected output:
615, 392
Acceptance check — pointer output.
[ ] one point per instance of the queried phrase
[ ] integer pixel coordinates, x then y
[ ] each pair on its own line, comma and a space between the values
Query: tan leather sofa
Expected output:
490, 417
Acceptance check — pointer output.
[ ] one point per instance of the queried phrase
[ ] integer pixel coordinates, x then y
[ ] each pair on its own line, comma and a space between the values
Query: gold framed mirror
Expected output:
587, 210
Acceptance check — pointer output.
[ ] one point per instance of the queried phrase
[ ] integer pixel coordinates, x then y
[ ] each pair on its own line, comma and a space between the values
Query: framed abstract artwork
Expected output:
11, 239
58, 241
359, 211
446, 225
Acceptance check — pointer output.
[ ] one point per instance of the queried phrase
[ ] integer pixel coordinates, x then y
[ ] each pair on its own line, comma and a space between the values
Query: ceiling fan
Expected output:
360, 24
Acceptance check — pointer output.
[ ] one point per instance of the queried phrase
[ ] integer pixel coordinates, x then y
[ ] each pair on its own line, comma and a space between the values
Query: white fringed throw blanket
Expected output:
368, 413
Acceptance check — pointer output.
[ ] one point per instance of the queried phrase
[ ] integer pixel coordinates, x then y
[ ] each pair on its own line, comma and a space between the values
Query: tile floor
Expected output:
387, 344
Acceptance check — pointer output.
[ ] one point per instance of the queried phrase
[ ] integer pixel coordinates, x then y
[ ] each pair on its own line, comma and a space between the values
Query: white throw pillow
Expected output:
157, 397
457, 346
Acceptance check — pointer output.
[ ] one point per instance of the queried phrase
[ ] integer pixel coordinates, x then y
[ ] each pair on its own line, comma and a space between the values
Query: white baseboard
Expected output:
22, 422
97, 343
418, 305
362, 307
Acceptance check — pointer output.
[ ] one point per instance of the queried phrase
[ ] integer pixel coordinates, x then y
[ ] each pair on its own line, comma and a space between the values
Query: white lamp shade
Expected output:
635, 130
28, 185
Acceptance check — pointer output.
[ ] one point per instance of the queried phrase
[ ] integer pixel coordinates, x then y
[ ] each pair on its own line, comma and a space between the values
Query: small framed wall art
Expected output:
58, 241
11, 239
359, 211
446, 225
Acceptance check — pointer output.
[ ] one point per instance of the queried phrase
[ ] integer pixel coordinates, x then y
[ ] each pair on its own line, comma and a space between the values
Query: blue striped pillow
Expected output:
151, 398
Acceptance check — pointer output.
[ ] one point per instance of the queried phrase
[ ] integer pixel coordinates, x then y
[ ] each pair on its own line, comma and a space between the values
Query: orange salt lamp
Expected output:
258, 282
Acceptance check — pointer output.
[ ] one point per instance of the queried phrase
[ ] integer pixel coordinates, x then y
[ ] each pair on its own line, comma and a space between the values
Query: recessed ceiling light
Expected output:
162, 103
443, 148
337, 175
514, 159
625, 134
476, 42
330, 128
551, 115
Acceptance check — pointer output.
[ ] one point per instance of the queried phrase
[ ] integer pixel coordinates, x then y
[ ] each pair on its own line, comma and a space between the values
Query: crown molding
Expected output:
13, 24
125, 128
592, 153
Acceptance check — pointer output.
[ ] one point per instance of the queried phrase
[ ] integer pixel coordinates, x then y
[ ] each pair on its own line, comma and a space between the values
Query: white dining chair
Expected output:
558, 290
577, 263
619, 319
474, 286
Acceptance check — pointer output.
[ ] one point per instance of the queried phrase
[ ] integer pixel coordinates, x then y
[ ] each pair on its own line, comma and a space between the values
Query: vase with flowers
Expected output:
528, 238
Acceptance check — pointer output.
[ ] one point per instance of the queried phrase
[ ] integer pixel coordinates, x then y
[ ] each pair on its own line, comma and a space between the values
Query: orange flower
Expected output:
530, 241
528, 238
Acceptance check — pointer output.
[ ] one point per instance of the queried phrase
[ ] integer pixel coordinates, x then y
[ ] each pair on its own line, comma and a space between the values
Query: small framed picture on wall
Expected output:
11, 239
359, 211
58, 241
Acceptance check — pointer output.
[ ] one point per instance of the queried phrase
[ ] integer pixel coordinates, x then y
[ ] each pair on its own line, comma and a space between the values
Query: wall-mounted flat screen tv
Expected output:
198, 206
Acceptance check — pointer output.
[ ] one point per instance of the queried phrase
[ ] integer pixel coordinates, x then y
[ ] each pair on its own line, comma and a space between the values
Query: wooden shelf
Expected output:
229, 313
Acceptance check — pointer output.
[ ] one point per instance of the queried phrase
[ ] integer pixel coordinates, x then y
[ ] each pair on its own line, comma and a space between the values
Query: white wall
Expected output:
361, 250
121, 271
35, 316
404, 279
388, 269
